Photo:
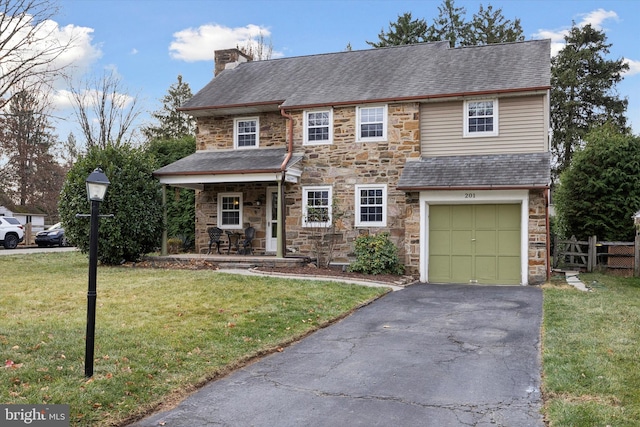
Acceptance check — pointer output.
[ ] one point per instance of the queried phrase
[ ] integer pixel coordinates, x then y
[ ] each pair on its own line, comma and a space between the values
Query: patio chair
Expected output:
247, 243
215, 234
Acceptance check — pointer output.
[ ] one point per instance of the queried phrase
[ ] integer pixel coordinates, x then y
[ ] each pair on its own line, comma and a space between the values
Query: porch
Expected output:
232, 261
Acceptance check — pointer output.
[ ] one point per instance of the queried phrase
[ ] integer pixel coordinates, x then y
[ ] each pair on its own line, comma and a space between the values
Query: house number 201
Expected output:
469, 195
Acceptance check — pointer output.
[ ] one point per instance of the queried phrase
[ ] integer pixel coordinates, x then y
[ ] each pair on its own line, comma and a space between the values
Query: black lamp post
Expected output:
97, 184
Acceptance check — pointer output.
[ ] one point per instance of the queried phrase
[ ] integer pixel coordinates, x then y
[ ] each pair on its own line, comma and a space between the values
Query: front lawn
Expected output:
159, 333
591, 353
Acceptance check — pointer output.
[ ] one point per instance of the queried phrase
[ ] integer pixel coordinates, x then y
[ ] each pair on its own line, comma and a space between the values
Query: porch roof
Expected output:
208, 167
500, 171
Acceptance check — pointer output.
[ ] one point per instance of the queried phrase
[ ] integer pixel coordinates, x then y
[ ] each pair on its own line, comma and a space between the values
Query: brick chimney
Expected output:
229, 58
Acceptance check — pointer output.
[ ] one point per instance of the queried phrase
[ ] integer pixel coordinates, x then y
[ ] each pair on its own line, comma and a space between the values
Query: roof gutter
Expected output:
476, 187
443, 97
218, 172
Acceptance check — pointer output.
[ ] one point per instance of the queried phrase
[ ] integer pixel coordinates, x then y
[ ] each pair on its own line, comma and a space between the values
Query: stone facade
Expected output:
342, 165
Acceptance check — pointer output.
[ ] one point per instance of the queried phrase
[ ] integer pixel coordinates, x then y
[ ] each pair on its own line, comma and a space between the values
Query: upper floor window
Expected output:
481, 118
230, 210
371, 123
316, 202
371, 205
246, 132
318, 127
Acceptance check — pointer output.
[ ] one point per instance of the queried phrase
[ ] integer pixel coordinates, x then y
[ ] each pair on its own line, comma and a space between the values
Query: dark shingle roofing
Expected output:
225, 162
488, 171
396, 73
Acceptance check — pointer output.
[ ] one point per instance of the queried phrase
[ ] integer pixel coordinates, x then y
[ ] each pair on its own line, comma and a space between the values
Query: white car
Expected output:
11, 232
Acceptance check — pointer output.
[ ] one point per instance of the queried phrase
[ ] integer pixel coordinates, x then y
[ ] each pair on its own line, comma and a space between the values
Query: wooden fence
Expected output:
593, 255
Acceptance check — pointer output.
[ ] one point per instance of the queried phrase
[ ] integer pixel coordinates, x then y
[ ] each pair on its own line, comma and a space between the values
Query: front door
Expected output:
272, 219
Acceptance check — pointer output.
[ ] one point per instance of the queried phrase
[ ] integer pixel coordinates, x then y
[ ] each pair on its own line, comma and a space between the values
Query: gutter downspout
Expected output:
547, 201
280, 250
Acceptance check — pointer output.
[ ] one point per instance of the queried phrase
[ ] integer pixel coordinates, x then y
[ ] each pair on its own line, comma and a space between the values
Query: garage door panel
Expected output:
509, 217
440, 268
461, 217
485, 217
508, 270
461, 242
508, 242
440, 242
486, 269
440, 218
461, 268
486, 242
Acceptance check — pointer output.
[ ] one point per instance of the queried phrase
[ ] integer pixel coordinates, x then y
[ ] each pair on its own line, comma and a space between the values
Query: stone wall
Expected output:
342, 165
538, 256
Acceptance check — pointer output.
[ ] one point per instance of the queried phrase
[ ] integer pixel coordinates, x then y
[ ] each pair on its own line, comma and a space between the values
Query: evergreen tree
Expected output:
450, 25
489, 26
171, 122
30, 175
181, 202
600, 191
404, 31
583, 92
486, 27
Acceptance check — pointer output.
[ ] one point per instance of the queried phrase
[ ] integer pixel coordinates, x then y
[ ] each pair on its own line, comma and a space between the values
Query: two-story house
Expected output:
446, 149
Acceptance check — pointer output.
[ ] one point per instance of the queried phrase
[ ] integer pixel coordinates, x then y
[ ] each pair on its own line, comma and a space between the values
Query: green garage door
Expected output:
474, 244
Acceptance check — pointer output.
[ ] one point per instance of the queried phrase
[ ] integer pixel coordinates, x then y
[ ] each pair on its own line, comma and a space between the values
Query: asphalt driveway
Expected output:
428, 355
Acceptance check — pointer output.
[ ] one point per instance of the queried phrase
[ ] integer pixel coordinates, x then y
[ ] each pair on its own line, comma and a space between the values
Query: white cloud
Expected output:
199, 44
77, 57
634, 67
134, 51
596, 18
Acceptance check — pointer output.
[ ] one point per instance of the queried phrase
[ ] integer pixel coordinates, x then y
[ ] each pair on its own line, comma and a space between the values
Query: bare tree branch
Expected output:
105, 111
28, 50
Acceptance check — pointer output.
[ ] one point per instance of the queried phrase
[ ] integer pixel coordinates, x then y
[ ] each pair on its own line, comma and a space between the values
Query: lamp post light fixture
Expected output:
97, 184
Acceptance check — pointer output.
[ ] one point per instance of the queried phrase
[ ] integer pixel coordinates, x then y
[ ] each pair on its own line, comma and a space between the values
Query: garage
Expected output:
475, 243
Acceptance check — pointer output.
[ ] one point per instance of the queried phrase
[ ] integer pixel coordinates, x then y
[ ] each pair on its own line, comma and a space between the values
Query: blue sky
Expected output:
149, 42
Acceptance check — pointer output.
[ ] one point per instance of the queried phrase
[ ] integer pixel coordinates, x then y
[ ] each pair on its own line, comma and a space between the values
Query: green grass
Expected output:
591, 353
159, 333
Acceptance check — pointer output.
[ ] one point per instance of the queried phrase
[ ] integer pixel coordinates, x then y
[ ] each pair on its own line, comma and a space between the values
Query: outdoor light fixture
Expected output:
97, 184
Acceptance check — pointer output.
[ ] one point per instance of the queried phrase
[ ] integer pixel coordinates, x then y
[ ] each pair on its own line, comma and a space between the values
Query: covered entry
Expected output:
475, 243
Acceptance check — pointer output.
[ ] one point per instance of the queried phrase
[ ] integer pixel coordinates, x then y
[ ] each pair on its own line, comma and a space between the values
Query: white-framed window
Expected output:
316, 203
371, 123
371, 205
318, 127
246, 132
481, 117
230, 210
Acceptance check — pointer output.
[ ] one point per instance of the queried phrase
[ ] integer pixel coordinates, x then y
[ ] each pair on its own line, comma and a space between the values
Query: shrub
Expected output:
174, 245
376, 254
134, 198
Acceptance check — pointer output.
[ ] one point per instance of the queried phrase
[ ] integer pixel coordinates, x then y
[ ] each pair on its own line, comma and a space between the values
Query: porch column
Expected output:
163, 250
280, 244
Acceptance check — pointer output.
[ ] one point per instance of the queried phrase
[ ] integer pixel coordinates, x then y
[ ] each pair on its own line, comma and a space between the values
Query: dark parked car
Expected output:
52, 236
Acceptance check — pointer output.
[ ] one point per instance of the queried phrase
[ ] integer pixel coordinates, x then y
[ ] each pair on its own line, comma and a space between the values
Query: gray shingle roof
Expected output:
402, 72
227, 162
488, 171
